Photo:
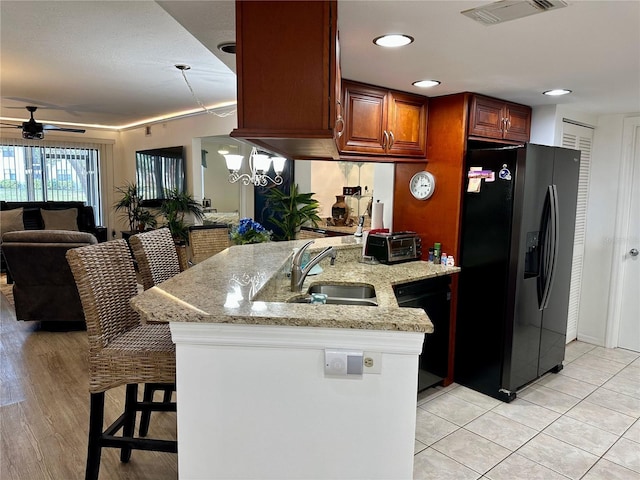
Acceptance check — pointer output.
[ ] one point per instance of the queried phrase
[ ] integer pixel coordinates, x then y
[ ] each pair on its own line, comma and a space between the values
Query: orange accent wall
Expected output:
438, 218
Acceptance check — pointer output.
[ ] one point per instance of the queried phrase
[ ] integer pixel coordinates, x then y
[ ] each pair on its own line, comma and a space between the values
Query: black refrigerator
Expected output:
518, 221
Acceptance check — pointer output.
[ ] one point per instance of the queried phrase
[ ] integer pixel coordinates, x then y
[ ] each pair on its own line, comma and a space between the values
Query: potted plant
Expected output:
174, 208
292, 210
249, 231
146, 219
131, 203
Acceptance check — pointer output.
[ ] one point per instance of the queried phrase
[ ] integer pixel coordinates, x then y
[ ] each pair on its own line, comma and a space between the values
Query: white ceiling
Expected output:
112, 62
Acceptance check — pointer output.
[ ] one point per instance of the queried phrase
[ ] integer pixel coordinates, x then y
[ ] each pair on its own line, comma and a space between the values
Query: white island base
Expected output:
254, 403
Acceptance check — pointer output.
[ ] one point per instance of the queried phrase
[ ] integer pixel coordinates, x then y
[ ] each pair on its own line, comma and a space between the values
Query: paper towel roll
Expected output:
377, 215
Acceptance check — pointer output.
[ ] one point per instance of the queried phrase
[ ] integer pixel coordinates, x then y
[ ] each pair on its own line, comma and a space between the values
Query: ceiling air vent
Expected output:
505, 10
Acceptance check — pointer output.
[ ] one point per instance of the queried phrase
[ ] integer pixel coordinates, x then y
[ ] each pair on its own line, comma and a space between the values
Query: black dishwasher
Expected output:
434, 296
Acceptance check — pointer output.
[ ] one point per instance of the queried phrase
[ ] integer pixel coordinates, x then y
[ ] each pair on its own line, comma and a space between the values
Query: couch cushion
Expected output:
50, 236
60, 219
10, 221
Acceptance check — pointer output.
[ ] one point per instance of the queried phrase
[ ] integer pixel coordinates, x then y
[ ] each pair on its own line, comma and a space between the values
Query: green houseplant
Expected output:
174, 207
292, 210
130, 204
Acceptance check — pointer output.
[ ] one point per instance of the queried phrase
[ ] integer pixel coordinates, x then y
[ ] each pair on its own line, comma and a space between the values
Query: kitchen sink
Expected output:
365, 302
344, 291
363, 295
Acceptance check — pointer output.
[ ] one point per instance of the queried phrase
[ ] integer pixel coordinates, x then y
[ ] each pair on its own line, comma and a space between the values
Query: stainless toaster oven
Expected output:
394, 247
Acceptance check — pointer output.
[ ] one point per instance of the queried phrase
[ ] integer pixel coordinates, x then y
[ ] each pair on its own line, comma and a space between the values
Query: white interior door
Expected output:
580, 138
629, 329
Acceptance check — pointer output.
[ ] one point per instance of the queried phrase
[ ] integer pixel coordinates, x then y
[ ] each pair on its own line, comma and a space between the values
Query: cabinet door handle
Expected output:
339, 121
392, 139
502, 124
507, 125
385, 140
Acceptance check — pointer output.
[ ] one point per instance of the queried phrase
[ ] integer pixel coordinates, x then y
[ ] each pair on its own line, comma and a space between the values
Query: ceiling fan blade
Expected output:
63, 129
10, 125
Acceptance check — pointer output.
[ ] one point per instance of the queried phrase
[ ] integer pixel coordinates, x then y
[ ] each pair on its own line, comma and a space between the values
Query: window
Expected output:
158, 171
50, 173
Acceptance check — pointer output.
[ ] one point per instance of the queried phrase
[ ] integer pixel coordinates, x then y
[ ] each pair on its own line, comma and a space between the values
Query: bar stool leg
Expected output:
168, 391
145, 416
94, 449
129, 424
148, 396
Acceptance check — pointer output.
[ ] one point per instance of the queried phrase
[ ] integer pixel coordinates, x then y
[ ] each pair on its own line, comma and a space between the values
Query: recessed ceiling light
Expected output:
557, 92
426, 83
223, 151
228, 47
393, 40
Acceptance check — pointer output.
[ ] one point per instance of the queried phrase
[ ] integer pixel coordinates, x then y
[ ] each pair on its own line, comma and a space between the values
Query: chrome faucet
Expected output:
298, 274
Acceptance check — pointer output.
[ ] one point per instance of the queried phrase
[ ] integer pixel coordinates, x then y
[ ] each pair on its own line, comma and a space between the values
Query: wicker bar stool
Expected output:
155, 252
122, 351
207, 240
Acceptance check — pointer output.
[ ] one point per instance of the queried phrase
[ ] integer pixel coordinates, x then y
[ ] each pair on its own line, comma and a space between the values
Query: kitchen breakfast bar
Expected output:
255, 398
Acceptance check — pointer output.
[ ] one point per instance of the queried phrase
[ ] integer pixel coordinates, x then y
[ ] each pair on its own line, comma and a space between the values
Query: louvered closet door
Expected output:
579, 138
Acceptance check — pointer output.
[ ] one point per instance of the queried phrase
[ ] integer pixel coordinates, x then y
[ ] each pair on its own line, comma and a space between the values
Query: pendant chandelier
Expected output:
259, 164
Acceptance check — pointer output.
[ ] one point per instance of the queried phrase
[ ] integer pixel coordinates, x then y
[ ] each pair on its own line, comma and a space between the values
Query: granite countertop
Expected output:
248, 284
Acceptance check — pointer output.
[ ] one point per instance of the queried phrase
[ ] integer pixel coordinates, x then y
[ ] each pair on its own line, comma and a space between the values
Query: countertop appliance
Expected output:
394, 247
515, 256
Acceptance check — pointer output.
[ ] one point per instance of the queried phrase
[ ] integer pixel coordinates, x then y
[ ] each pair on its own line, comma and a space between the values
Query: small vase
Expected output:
340, 211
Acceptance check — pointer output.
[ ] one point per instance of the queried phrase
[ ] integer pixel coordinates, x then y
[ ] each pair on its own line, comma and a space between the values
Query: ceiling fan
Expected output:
34, 130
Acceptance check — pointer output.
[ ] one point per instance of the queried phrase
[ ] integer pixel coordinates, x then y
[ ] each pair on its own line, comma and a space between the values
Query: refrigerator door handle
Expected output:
551, 241
543, 255
555, 242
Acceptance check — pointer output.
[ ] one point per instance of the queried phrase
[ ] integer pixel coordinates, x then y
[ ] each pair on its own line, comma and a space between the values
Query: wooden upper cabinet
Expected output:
383, 122
407, 124
287, 69
365, 117
499, 120
518, 122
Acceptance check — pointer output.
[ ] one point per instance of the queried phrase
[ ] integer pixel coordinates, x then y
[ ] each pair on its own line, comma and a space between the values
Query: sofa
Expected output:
48, 215
44, 289
32, 218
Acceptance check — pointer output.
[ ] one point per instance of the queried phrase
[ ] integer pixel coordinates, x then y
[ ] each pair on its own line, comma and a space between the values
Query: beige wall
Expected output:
328, 178
225, 196
183, 131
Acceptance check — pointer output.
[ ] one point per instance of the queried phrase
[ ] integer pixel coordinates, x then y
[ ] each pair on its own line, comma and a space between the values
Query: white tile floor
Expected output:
583, 423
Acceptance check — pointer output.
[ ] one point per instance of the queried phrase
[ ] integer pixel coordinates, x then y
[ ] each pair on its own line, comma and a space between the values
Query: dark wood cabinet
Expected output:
288, 76
385, 122
499, 120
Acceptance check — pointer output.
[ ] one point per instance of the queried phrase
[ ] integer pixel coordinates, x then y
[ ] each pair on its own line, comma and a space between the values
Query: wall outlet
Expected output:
372, 362
343, 362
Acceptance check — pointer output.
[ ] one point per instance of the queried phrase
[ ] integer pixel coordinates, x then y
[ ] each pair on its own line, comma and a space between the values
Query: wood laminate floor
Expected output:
44, 409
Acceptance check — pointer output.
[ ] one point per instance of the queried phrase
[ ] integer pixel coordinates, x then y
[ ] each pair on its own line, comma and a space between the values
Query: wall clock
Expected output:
422, 185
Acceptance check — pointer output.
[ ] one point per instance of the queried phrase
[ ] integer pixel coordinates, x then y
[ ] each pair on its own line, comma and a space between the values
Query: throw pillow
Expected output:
60, 219
11, 221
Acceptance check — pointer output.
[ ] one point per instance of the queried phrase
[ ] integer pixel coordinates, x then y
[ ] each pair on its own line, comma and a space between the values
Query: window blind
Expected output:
42, 170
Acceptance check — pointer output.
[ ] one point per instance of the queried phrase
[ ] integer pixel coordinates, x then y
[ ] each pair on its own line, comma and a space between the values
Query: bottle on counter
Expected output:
430, 258
437, 253
443, 259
